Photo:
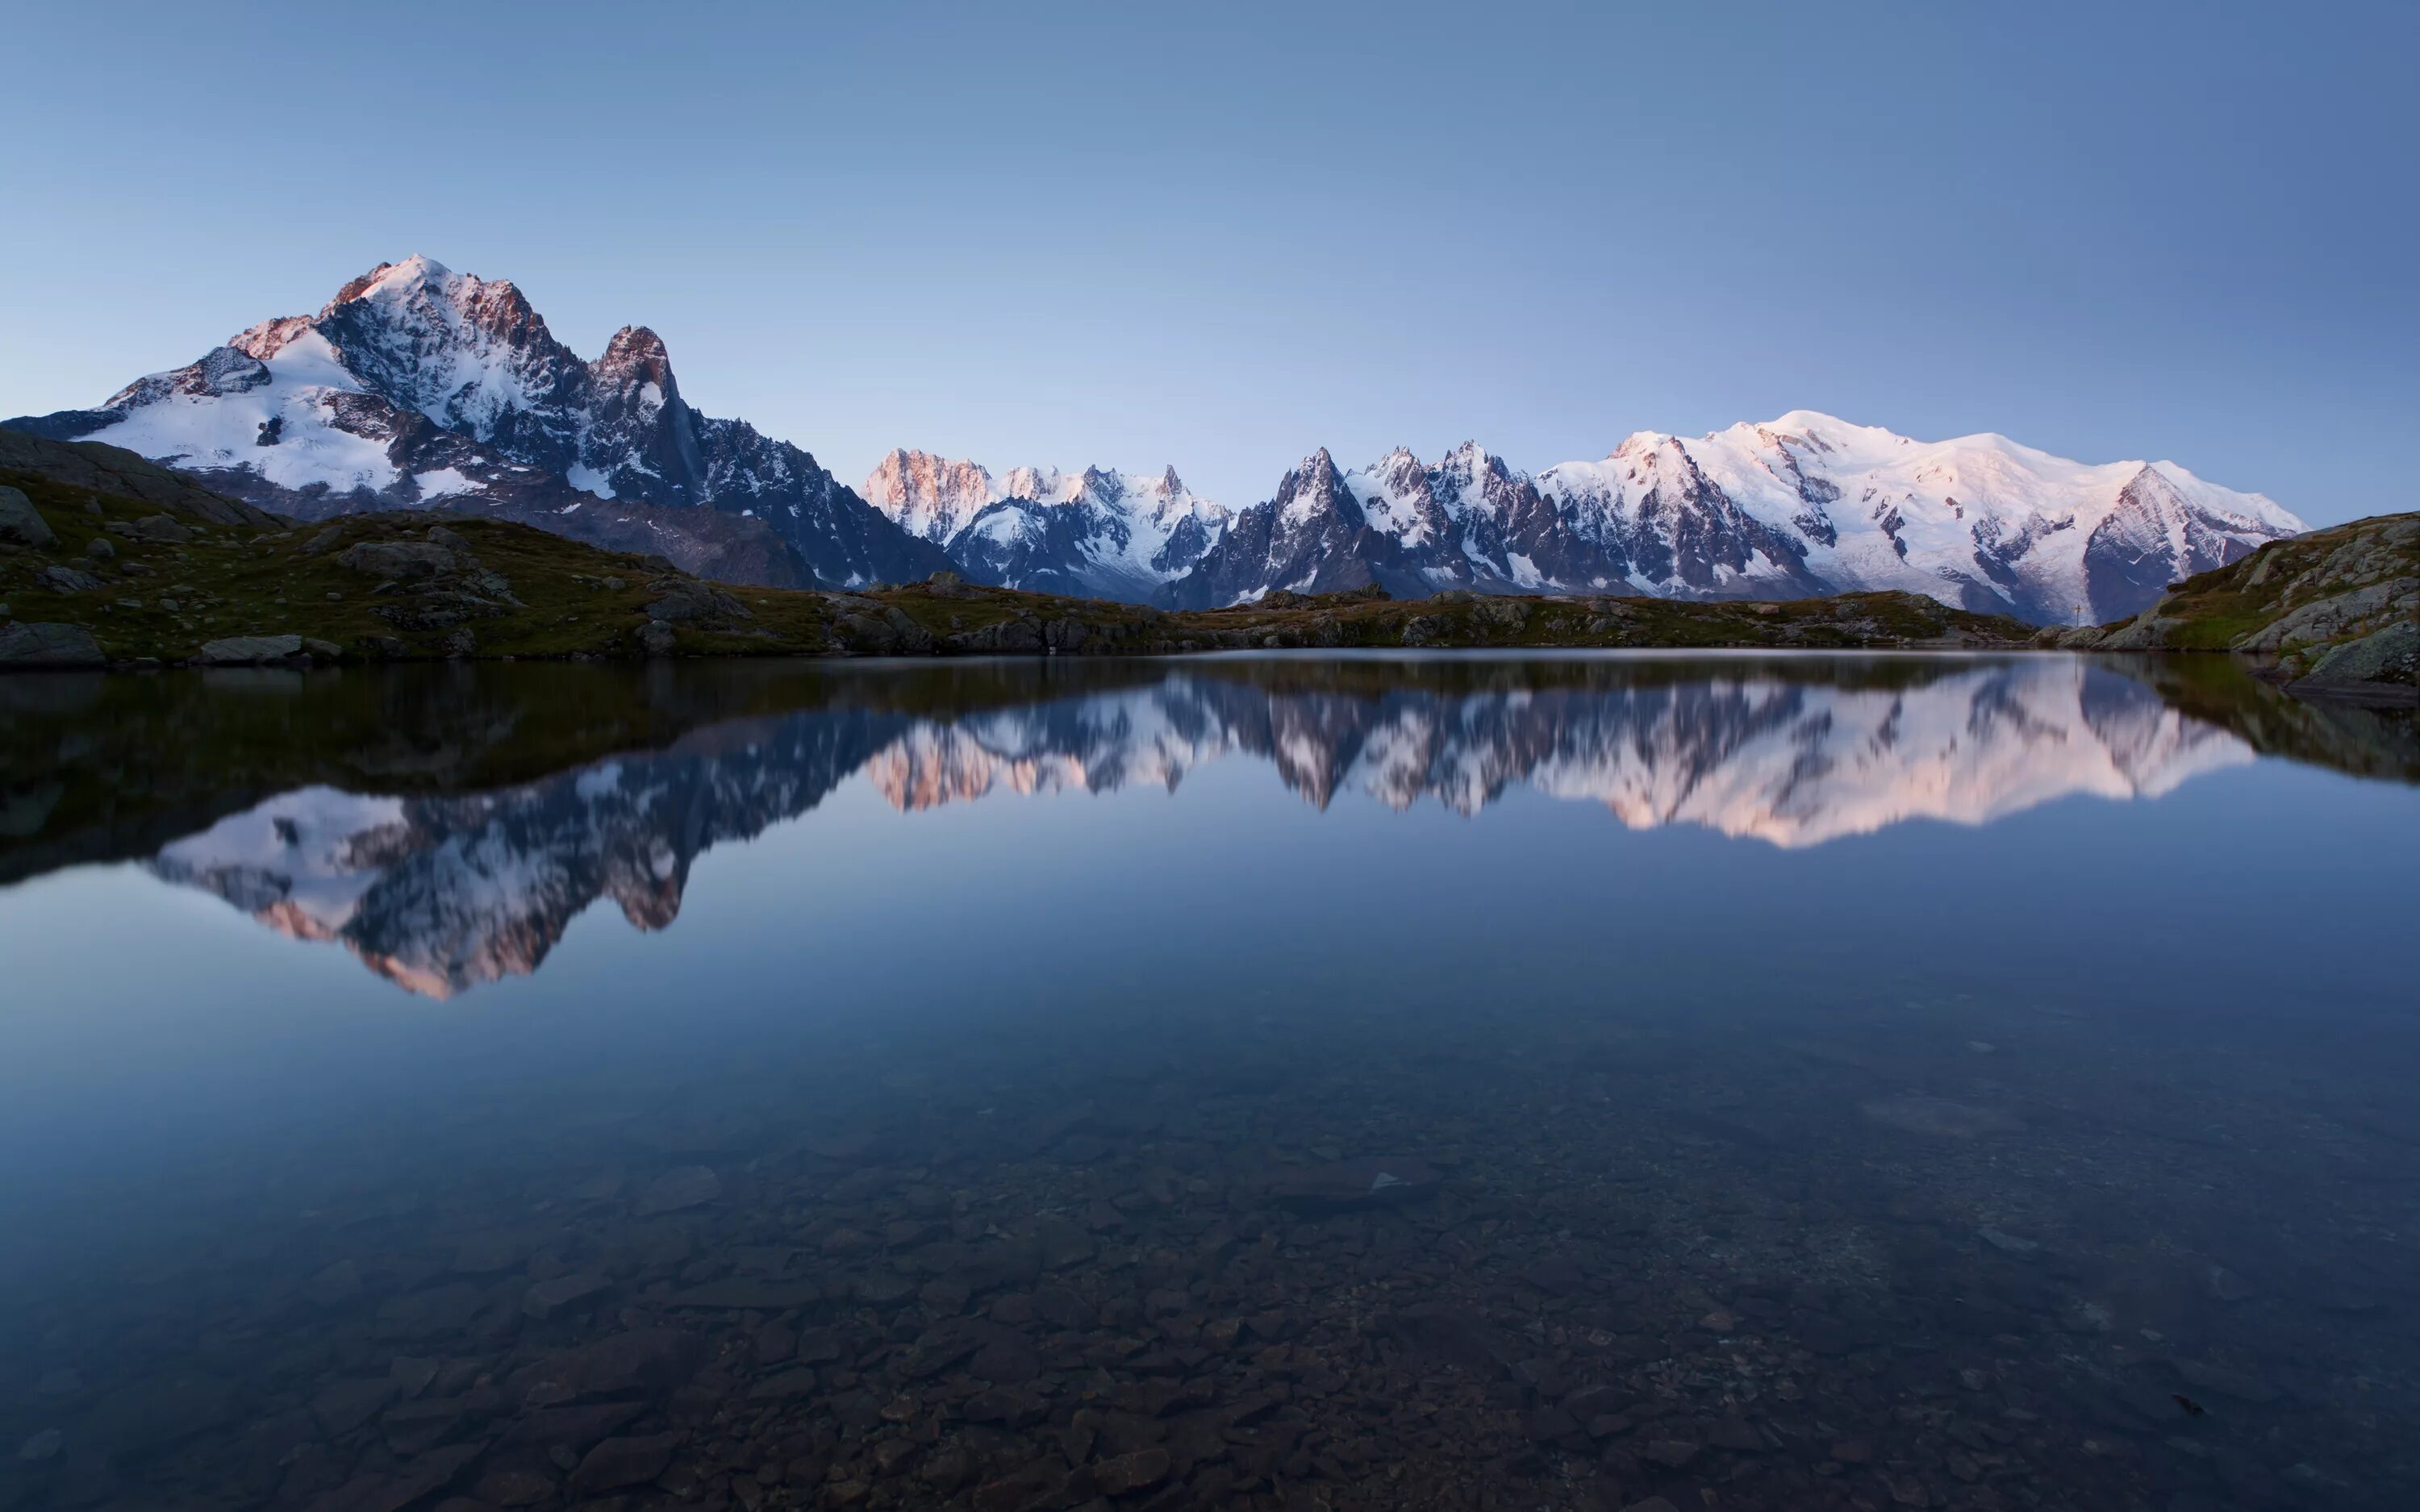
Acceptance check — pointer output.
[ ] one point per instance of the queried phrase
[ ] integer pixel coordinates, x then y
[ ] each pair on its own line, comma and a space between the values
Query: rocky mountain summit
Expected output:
417, 386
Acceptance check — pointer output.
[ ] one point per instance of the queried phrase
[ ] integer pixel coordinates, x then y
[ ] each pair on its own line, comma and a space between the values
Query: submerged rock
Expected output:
550, 1298
644, 1362
1366, 1182
619, 1463
684, 1186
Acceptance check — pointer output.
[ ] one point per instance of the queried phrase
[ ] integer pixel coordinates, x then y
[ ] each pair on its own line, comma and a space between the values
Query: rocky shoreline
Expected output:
2334, 615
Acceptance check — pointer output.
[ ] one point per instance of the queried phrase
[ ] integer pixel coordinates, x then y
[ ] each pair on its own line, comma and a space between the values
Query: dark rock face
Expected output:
471, 401
2132, 557
1039, 548
1312, 538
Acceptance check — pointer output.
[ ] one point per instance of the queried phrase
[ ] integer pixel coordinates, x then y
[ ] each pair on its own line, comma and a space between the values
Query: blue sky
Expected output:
1222, 236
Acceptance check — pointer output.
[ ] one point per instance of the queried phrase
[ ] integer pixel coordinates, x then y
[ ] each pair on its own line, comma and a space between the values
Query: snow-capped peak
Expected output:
931, 497
398, 280
1094, 531
417, 382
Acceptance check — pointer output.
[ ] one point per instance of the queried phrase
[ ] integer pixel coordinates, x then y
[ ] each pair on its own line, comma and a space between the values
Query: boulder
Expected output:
21, 524
687, 601
68, 580
2147, 631
398, 561
1130, 1473
684, 1186
48, 645
158, 529
2388, 656
247, 650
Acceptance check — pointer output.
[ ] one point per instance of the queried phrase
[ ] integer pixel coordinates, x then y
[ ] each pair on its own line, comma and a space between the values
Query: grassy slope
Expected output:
576, 599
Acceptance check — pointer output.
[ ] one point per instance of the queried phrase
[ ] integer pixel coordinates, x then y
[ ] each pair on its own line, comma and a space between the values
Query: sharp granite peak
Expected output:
417, 386
1097, 533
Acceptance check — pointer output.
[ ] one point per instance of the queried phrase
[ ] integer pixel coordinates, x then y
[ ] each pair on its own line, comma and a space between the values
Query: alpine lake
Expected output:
1720, 1082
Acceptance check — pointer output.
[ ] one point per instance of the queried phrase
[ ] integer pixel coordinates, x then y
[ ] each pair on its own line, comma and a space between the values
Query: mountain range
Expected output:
440, 892
419, 386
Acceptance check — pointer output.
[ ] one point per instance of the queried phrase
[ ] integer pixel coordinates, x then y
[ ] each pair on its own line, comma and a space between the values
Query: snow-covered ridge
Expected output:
1803, 505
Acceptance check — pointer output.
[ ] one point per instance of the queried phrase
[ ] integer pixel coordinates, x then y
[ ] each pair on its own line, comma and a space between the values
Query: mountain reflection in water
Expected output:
440, 890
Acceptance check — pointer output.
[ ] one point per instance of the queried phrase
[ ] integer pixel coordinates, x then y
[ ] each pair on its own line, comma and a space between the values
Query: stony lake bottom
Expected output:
1747, 1082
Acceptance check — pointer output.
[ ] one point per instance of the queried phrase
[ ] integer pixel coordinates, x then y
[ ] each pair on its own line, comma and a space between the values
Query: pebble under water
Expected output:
1596, 1082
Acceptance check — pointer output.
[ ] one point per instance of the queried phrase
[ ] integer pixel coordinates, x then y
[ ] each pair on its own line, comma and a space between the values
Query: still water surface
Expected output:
1286, 1083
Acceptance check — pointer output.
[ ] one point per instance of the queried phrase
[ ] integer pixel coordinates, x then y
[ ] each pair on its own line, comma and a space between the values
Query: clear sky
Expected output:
1220, 236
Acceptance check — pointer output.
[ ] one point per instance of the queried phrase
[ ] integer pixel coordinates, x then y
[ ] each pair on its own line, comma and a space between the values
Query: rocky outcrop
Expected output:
432, 582
2332, 613
112, 469
250, 650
